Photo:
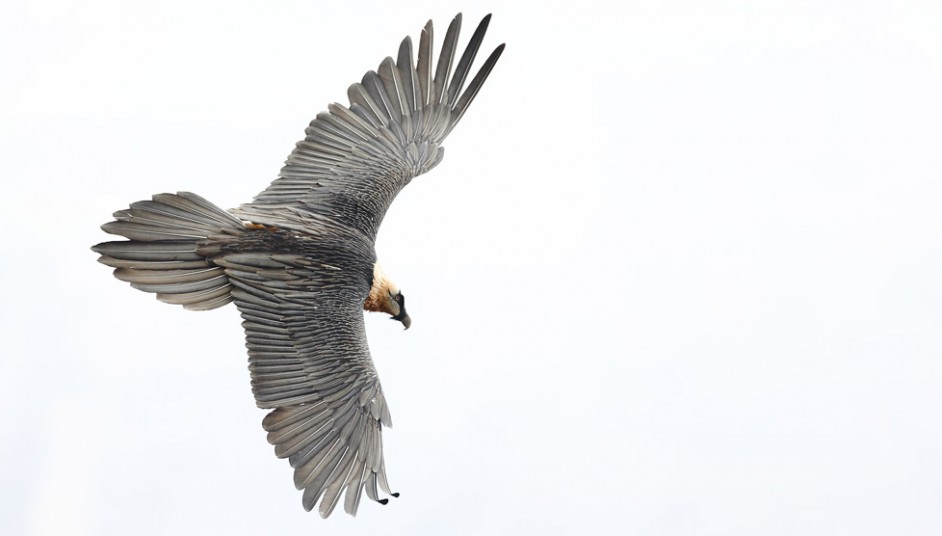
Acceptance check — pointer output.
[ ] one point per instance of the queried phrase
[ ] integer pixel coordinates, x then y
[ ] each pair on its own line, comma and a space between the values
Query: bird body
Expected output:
299, 262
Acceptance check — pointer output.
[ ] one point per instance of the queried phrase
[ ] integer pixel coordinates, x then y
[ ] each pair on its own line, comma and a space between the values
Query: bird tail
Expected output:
162, 254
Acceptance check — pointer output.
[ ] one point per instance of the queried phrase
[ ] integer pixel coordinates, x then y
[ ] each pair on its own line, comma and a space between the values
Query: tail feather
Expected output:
165, 251
200, 300
161, 256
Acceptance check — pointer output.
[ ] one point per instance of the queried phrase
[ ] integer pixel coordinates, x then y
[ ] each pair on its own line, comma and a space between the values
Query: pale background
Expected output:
678, 274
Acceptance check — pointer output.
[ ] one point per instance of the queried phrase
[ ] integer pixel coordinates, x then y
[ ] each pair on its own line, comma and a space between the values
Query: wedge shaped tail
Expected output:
161, 253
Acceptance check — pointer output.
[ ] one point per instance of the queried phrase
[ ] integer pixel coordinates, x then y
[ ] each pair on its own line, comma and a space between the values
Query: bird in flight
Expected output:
300, 264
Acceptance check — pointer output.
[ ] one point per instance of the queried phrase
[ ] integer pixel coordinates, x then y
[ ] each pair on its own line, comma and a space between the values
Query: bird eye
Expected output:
399, 298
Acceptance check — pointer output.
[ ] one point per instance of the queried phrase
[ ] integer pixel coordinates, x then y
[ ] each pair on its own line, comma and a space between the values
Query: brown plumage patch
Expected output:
260, 227
378, 299
375, 302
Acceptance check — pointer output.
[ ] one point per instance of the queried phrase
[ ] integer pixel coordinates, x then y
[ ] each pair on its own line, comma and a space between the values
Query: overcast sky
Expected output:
679, 272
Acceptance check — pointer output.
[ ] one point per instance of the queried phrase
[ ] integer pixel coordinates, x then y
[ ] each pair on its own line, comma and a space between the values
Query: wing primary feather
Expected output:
314, 459
381, 475
352, 432
373, 449
408, 76
447, 57
423, 68
313, 490
308, 458
323, 471
373, 83
371, 489
339, 478
474, 87
355, 486
393, 86
467, 58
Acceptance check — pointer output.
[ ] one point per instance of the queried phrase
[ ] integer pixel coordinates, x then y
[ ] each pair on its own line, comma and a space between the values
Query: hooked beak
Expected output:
404, 318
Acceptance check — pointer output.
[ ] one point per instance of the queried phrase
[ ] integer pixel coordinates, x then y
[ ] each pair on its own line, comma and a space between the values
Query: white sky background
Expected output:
678, 273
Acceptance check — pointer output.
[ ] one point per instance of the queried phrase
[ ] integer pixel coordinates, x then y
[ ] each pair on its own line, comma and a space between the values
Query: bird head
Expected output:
396, 306
386, 297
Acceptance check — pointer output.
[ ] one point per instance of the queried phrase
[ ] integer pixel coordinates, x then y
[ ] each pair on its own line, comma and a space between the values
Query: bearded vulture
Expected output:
299, 262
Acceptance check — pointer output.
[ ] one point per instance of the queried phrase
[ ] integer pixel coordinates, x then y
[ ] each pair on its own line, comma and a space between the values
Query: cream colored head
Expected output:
385, 297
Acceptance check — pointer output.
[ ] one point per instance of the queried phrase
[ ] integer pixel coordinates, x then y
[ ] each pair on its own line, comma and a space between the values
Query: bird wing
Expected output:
354, 160
310, 363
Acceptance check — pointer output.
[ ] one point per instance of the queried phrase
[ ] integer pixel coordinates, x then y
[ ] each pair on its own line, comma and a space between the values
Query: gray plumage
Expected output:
299, 262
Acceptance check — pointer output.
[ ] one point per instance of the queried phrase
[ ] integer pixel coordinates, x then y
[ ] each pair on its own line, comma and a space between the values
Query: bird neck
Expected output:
380, 291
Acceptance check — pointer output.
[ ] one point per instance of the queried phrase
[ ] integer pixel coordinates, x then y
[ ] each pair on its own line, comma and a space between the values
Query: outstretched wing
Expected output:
354, 160
310, 363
